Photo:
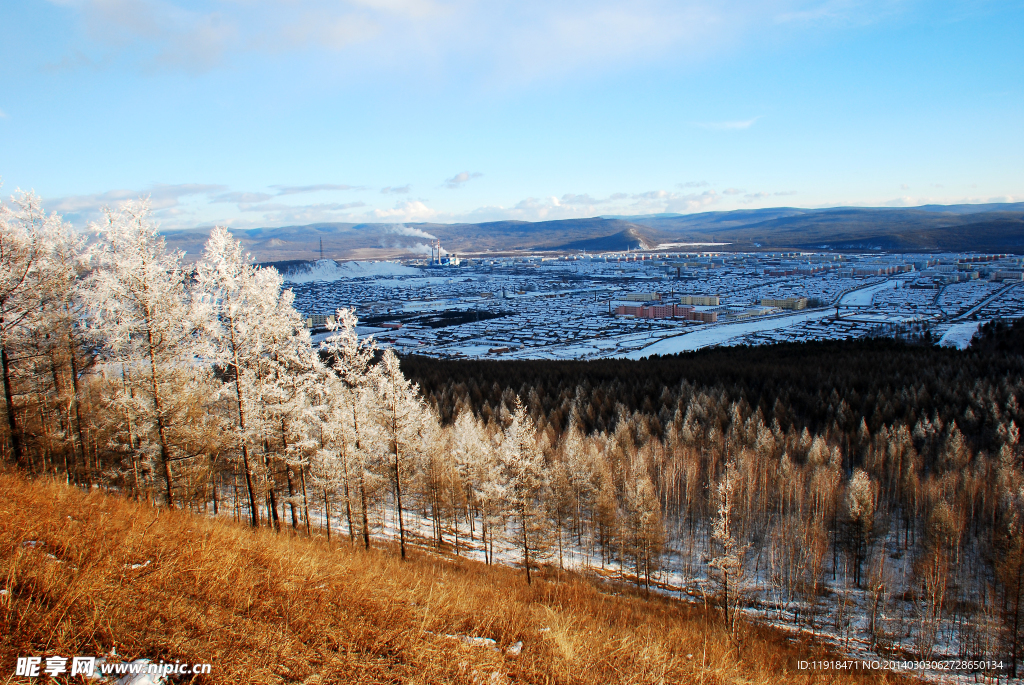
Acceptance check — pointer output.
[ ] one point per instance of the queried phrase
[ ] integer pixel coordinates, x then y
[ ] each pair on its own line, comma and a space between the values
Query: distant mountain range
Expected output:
930, 228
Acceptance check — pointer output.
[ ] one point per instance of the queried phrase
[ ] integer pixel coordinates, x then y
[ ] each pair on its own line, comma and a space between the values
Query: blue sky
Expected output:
275, 112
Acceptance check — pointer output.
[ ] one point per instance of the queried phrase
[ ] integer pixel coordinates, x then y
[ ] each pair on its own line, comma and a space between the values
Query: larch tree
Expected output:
400, 416
645, 531
140, 306
27, 280
68, 262
523, 481
237, 298
580, 470
352, 429
471, 453
729, 559
859, 519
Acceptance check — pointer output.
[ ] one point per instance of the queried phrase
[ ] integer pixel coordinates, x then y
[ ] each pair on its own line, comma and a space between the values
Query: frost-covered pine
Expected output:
140, 308
349, 427
31, 284
859, 516
581, 471
729, 560
523, 482
235, 299
645, 531
255, 333
400, 416
68, 263
477, 466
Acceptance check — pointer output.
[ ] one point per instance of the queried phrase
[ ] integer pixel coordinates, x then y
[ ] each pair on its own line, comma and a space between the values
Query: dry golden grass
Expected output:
272, 608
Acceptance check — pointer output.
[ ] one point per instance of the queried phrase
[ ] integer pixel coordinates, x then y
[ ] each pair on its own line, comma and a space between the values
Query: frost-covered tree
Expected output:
580, 471
858, 519
68, 263
523, 482
349, 423
644, 529
256, 335
30, 283
237, 298
400, 417
729, 559
474, 464
140, 307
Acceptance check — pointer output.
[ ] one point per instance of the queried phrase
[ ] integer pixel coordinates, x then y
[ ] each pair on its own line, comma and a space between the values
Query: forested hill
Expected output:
821, 386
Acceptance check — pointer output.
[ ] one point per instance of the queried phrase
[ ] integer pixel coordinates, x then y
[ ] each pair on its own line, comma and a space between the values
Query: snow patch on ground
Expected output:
960, 335
330, 270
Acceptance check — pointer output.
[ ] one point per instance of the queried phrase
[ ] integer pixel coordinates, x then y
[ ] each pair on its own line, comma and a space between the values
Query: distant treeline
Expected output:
814, 385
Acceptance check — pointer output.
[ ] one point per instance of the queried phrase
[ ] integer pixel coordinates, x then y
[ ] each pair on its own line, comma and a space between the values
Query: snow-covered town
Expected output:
638, 304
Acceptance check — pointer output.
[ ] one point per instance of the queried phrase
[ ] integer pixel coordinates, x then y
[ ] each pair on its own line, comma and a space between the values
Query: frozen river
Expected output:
723, 333
864, 297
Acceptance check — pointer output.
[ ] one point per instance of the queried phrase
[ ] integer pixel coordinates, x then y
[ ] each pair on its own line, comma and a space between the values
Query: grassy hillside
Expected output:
86, 573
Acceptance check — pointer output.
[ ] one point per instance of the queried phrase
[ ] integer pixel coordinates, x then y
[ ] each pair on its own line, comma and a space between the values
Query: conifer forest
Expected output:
870, 490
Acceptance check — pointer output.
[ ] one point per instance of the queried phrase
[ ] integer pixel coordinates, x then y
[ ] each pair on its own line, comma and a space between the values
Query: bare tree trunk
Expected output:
348, 499
12, 421
165, 456
398, 476
305, 499
80, 442
526, 546
327, 517
254, 512
291, 494
366, 516
398, 501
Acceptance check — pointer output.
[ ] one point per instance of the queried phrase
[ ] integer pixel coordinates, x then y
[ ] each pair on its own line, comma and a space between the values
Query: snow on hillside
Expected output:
330, 270
960, 335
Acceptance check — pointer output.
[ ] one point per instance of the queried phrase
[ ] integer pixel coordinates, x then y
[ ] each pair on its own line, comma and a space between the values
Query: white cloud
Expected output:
162, 197
277, 214
409, 210
506, 41
585, 199
241, 197
301, 209
296, 190
459, 180
693, 184
733, 191
572, 206
918, 200
400, 190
